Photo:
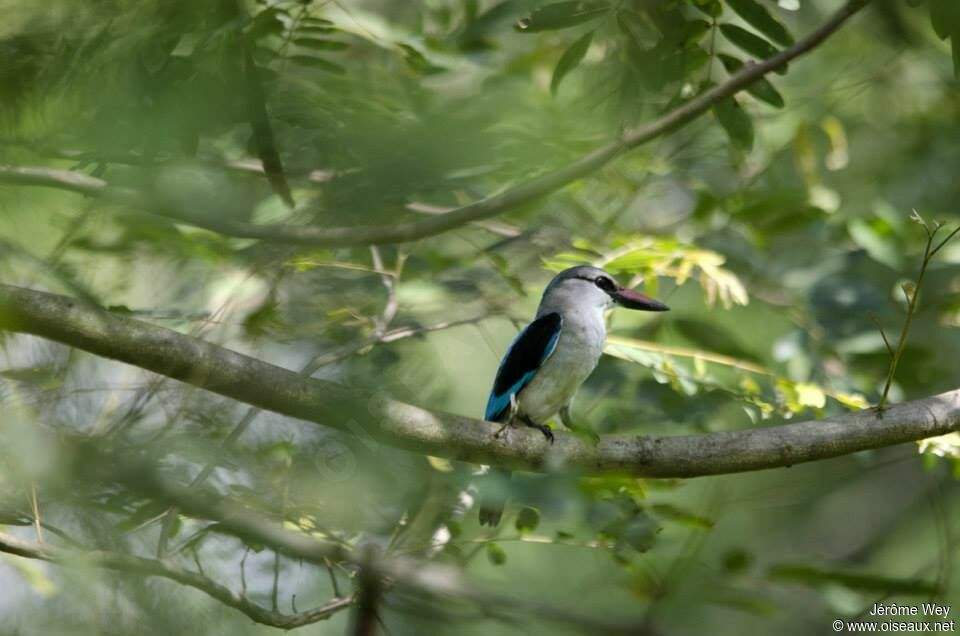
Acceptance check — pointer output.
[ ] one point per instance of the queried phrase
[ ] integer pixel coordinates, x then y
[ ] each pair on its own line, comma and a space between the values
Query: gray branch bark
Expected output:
267, 386
486, 208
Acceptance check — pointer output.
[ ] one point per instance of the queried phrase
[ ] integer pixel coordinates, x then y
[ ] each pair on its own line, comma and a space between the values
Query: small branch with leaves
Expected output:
375, 572
170, 570
911, 292
404, 231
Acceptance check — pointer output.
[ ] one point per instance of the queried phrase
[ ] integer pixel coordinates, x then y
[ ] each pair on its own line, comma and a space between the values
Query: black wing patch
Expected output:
529, 350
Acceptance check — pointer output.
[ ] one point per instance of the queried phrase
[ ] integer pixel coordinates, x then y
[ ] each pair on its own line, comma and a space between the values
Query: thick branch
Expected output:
491, 206
261, 384
172, 571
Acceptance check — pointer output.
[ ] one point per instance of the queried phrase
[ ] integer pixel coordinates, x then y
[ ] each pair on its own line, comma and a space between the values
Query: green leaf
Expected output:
955, 50
259, 321
495, 554
38, 375
527, 520
561, 15
737, 560
569, 60
712, 8
317, 63
266, 23
314, 21
640, 533
811, 395
694, 59
478, 28
455, 528
945, 18
735, 121
317, 29
684, 517
687, 31
878, 242
321, 45
816, 577
762, 89
941, 446
752, 44
757, 16
418, 61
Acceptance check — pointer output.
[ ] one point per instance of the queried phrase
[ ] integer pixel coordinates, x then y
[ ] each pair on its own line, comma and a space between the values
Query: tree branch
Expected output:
170, 570
90, 463
262, 384
322, 236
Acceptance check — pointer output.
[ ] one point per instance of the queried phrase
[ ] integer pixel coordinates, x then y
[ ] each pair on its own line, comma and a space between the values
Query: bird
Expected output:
552, 356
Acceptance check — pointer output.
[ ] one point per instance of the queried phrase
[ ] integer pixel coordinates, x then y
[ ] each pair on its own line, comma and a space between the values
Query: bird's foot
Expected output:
503, 431
543, 428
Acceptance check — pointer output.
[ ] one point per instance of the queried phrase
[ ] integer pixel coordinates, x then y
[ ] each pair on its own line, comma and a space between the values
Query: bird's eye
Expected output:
605, 284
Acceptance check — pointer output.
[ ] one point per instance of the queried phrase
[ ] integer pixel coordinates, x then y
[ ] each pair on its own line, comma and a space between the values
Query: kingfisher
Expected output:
553, 355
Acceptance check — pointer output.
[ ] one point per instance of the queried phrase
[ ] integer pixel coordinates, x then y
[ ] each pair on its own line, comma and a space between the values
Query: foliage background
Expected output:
780, 237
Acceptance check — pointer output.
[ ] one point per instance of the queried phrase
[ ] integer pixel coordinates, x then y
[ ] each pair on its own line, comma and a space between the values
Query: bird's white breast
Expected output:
582, 338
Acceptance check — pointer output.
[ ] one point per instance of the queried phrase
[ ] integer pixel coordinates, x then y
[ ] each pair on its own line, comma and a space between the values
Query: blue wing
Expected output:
524, 357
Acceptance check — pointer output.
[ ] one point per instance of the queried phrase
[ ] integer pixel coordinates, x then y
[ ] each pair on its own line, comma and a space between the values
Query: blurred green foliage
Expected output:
777, 228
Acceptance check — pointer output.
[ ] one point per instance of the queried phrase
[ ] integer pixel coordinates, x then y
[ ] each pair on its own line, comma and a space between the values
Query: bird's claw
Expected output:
543, 428
547, 432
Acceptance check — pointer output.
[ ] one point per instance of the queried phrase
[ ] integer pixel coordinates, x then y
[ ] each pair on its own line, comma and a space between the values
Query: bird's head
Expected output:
585, 285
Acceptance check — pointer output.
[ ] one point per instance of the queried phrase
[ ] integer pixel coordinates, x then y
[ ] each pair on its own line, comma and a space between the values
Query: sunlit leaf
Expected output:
941, 446
876, 241
496, 554
32, 573
440, 464
810, 395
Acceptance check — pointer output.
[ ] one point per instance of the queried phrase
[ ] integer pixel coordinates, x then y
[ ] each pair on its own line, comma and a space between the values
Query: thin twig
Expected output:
35, 509
390, 280
243, 572
912, 298
876, 323
944, 241
169, 570
333, 578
